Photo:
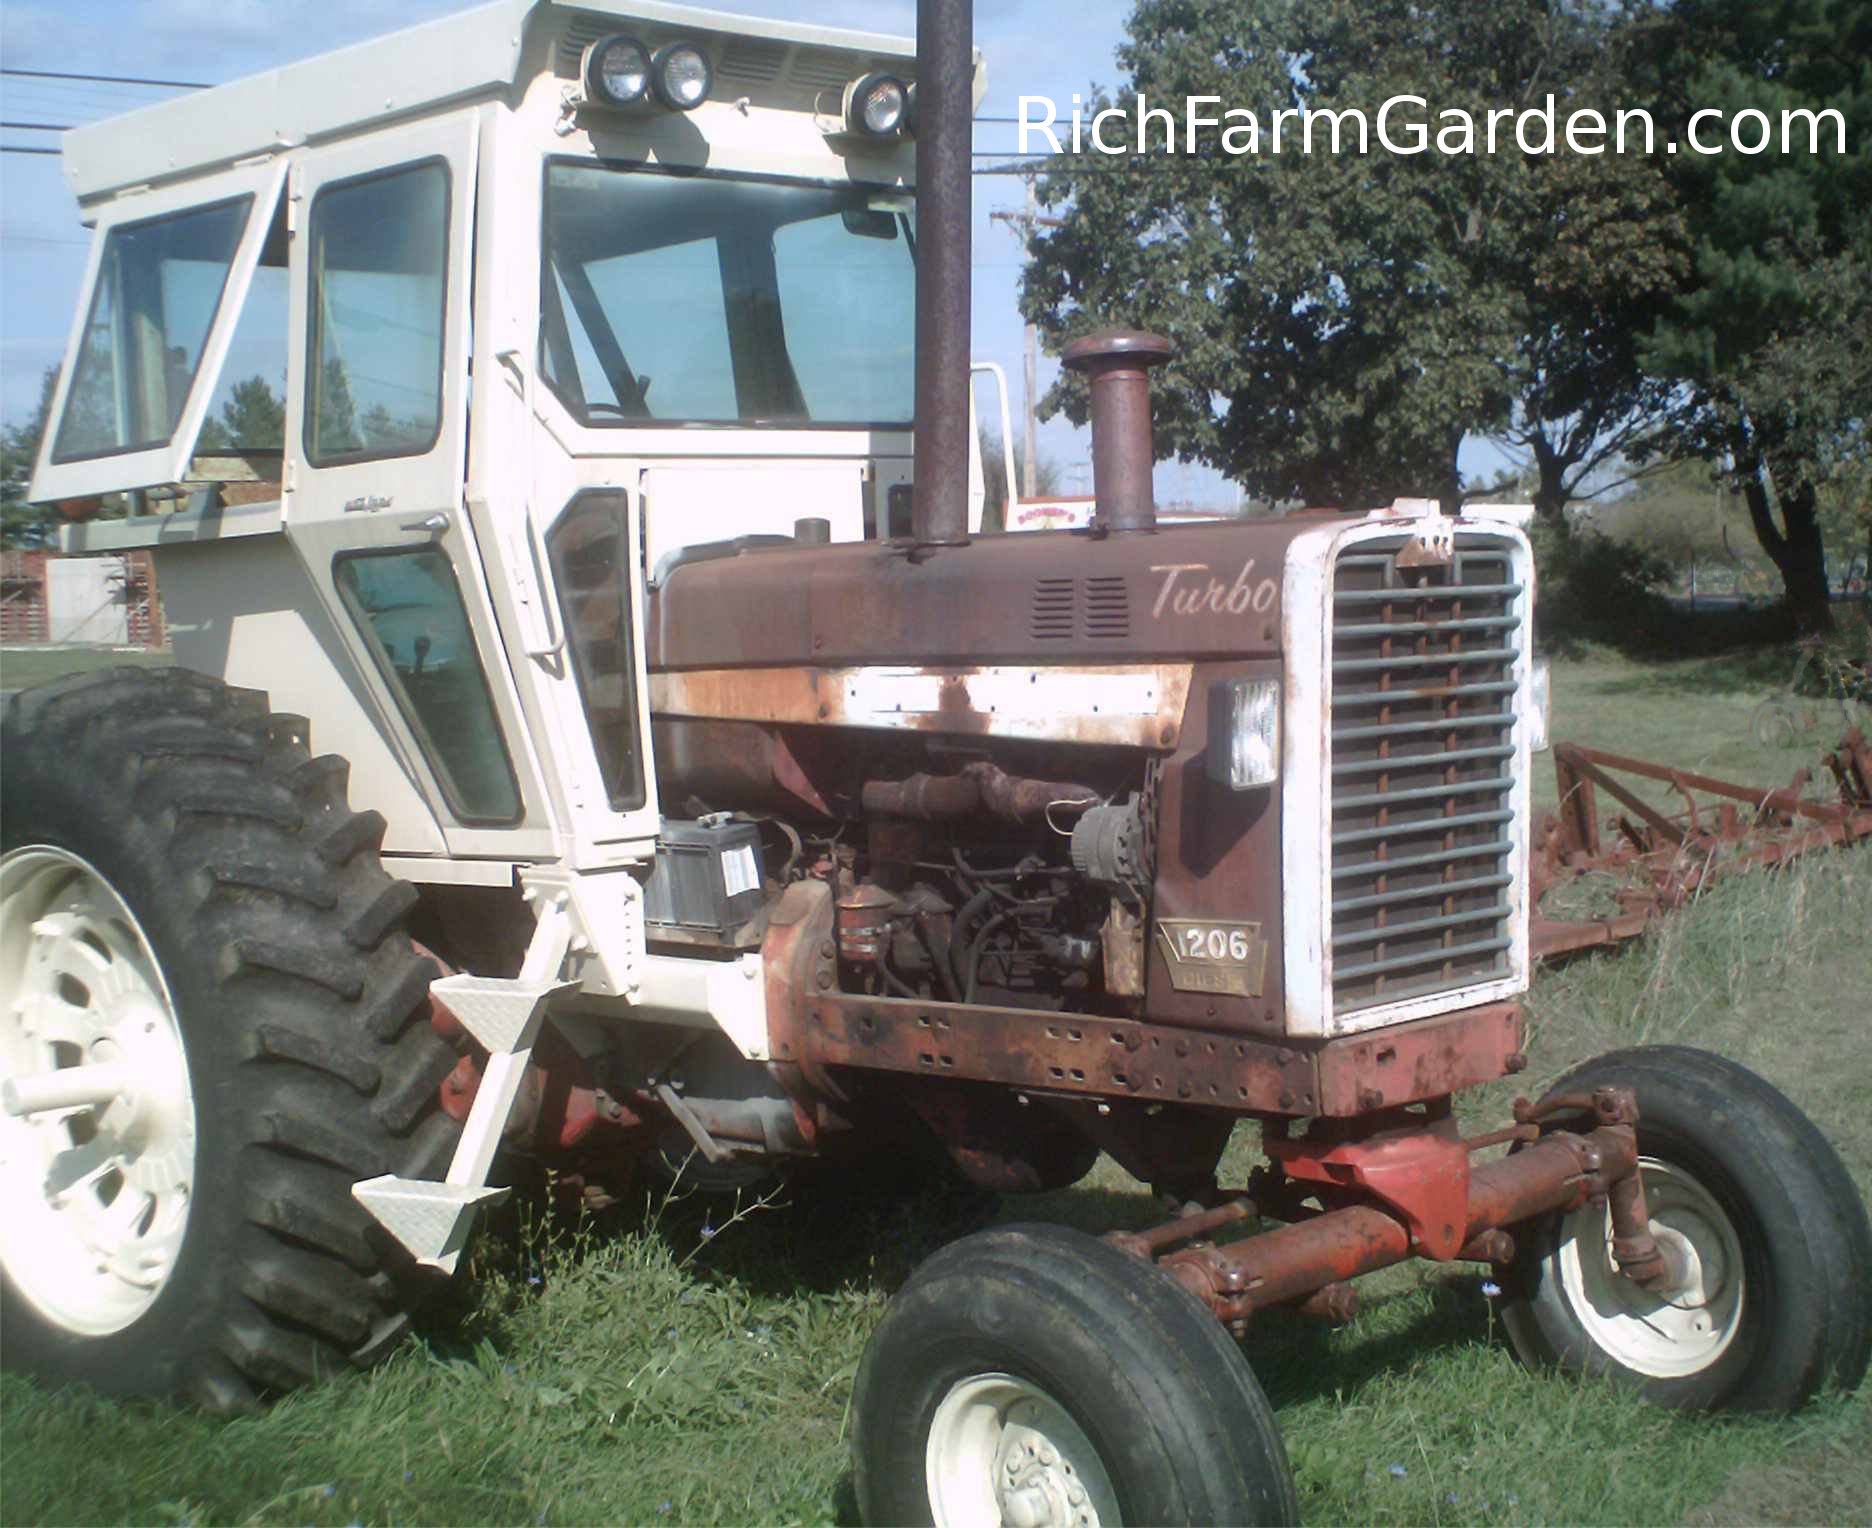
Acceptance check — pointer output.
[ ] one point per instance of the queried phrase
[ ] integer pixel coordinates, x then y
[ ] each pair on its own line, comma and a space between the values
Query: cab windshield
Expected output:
717, 299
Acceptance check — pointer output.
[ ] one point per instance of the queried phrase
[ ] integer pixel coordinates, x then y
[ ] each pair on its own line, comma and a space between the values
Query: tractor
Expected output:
602, 732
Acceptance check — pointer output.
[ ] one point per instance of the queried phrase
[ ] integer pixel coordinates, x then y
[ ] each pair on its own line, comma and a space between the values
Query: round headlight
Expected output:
878, 106
681, 77
617, 70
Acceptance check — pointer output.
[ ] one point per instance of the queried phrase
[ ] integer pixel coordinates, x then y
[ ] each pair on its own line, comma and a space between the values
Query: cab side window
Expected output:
247, 410
158, 287
379, 285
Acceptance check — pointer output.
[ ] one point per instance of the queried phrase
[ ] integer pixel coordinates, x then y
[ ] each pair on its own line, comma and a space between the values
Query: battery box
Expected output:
707, 877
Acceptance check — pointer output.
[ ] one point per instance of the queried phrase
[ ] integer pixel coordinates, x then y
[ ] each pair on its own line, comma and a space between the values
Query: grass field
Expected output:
685, 1364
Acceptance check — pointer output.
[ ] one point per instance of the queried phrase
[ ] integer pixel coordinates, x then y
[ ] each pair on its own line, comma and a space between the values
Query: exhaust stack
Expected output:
1116, 365
945, 62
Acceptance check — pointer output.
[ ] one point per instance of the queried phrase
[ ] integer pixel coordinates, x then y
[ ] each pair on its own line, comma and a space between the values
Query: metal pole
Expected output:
945, 110
1030, 463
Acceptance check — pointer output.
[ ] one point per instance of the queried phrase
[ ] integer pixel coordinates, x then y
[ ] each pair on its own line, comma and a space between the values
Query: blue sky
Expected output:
1034, 47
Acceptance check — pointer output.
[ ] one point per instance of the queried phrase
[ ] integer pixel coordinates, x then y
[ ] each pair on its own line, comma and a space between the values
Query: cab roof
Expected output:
478, 52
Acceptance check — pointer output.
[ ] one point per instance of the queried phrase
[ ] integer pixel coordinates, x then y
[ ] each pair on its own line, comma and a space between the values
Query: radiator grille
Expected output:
1422, 768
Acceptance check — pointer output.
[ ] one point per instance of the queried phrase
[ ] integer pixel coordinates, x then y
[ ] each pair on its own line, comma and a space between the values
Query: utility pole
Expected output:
1026, 222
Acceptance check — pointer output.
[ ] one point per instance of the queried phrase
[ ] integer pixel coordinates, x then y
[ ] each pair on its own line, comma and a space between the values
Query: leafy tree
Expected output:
1344, 320
1769, 339
21, 523
253, 415
337, 416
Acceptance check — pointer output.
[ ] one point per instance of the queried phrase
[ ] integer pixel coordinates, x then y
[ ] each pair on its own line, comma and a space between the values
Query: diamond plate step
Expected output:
496, 1010
431, 1219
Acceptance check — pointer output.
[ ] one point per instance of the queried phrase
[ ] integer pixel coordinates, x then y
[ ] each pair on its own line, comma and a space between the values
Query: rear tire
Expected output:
1034, 1373
212, 858
1781, 1298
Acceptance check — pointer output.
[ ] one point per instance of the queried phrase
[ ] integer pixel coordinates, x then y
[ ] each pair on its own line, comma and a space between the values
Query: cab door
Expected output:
377, 410
561, 528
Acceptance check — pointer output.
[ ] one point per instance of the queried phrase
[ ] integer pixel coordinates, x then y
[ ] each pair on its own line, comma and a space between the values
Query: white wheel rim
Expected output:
1667, 1333
1003, 1451
97, 1118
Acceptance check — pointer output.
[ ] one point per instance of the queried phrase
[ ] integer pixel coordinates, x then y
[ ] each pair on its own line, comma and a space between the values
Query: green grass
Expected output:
645, 1372
1695, 713
21, 667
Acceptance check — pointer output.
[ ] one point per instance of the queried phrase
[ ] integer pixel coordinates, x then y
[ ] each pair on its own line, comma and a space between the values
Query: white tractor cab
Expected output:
488, 265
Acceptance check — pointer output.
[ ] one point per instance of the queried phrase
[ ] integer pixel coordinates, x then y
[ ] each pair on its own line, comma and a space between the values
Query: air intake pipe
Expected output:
945, 63
1115, 365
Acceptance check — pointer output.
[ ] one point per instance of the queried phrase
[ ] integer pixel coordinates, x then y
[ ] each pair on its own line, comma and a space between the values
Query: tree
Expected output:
1344, 320
21, 523
336, 428
1768, 341
253, 415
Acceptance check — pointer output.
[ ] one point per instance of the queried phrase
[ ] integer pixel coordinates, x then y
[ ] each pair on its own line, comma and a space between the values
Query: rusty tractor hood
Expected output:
1181, 592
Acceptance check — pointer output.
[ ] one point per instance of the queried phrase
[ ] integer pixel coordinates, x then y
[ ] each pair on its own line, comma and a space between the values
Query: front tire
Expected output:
1036, 1374
1776, 1299
216, 1025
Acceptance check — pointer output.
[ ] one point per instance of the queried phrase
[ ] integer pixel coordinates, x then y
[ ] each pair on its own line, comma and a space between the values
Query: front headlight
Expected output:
617, 70
878, 106
1244, 732
681, 76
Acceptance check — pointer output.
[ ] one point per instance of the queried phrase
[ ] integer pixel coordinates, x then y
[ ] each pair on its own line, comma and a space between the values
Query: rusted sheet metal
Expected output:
1403, 1063
1423, 1177
1056, 1053
1214, 849
1116, 366
1187, 592
1666, 859
799, 957
1133, 705
1291, 1263
1075, 1054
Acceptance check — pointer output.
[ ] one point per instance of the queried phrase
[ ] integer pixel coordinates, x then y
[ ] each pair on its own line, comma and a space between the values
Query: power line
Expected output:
107, 79
15, 148
40, 127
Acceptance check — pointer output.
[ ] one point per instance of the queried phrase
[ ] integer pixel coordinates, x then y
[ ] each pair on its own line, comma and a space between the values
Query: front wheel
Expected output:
1039, 1376
1774, 1295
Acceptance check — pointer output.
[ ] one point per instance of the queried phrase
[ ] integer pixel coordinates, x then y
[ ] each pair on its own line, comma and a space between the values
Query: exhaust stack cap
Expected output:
1116, 365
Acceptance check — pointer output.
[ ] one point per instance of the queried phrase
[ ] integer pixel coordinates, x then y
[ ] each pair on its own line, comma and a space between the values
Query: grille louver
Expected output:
1424, 664
1107, 608
1055, 607
1098, 609
752, 63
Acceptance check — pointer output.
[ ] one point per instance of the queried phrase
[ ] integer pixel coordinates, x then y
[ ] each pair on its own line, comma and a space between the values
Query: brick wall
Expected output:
23, 599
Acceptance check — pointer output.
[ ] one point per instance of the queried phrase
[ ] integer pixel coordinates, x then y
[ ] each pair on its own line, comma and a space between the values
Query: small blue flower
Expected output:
534, 1280
408, 1476
330, 1491
707, 1231
1490, 1288
1450, 1497
1396, 1471
664, 1507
